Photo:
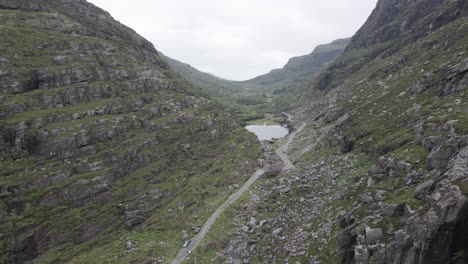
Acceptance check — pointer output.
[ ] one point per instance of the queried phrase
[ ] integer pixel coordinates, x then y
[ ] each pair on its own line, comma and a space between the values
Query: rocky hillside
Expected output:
381, 168
303, 67
106, 154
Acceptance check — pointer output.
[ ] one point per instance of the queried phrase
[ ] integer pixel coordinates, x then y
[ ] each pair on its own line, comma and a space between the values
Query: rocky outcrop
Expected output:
393, 20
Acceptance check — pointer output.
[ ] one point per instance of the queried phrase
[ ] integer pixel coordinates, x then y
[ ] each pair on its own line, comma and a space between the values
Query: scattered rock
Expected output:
423, 190
130, 245
373, 235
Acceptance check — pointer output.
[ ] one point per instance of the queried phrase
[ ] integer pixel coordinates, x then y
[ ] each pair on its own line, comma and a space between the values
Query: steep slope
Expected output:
381, 169
302, 68
391, 26
214, 86
106, 154
244, 105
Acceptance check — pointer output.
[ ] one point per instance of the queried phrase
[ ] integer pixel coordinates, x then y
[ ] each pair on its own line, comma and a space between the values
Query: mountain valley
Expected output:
112, 152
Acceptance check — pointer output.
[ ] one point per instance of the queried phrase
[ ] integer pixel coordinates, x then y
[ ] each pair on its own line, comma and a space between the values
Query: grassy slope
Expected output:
137, 165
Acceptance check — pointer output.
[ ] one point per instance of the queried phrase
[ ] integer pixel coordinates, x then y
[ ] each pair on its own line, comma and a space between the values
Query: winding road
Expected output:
281, 151
206, 227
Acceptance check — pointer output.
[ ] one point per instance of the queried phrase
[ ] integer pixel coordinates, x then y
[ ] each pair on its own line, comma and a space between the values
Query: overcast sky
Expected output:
239, 39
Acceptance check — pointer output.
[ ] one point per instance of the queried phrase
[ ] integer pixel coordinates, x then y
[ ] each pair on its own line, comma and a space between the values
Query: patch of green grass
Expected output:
463, 186
317, 154
67, 111
404, 197
412, 153
269, 120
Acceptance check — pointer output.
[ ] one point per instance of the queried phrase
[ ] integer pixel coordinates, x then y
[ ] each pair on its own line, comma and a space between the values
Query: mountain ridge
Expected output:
305, 66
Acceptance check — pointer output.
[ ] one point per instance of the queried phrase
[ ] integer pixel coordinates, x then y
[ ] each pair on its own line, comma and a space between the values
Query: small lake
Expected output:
268, 132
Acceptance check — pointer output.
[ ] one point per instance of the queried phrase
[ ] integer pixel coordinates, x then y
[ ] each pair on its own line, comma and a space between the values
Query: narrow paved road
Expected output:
206, 227
281, 151
290, 117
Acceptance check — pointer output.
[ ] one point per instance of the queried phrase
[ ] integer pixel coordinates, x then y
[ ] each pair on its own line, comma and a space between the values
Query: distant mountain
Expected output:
297, 69
210, 83
257, 94
303, 67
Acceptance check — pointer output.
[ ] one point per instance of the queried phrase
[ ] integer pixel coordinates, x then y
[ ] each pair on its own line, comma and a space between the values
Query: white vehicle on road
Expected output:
186, 243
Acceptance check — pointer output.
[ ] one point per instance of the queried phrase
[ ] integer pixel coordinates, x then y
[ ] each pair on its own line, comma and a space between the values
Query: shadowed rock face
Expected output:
393, 19
391, 26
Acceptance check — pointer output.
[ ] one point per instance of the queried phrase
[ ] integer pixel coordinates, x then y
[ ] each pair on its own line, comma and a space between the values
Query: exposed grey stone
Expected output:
277, 231
366, 198
389, 209
61, 60
252, 222
417, 88
379, 253
439, 157
423, 189
361, 254
402, 243
379, 195
449, 205
130, 245
373, 235
459, 166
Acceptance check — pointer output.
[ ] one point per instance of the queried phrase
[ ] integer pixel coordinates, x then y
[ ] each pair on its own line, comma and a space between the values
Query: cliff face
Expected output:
391, 26
104, 150
409, 20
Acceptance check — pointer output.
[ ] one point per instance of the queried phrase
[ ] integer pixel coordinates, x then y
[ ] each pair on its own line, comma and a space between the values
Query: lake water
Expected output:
268, 132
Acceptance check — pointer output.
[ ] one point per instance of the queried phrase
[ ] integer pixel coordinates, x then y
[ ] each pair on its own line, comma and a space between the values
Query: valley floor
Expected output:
287, 167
